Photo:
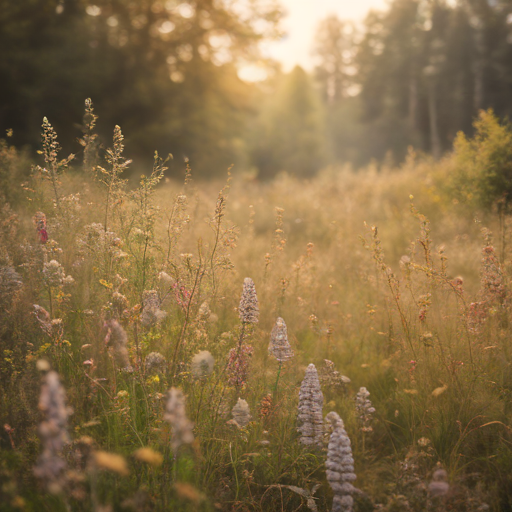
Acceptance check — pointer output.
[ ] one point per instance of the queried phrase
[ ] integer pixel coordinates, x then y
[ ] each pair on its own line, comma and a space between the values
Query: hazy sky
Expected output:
301, 22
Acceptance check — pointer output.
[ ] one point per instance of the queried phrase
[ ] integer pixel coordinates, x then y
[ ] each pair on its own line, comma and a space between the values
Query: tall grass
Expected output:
378, 272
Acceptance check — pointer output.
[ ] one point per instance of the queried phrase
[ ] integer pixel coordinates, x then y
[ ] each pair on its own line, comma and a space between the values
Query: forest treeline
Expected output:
166, 72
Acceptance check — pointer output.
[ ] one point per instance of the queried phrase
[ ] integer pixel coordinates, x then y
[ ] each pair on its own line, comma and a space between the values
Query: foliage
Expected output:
289, 135
482, 173
165, 71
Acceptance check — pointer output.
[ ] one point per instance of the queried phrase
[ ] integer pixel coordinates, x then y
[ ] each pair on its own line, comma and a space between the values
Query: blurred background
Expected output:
268, 86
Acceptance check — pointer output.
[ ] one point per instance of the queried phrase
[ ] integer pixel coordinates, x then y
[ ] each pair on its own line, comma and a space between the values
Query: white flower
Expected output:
340, 465
176, 416
151, 313
53, 273
311, 401
202, 364
279, 345
241, 413
248, 309
155, 362
364, 410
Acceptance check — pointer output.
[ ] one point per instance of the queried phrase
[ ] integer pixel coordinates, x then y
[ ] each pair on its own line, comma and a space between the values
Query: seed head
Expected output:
202, 364
248, 309
438, 486
241, 413
154, 363
51, 466
204, 313
176, 416
53, 273
279, 346
151, 313
265, 406
117, 339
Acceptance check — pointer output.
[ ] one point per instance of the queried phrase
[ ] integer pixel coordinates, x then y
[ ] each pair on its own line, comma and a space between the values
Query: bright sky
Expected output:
300, 25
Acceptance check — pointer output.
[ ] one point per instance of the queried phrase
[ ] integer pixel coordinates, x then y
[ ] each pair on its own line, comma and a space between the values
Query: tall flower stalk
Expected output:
53, 431
111, 177
311, 401
340, 466
279, 346
176, 416
365, 411
248, 310
53, 167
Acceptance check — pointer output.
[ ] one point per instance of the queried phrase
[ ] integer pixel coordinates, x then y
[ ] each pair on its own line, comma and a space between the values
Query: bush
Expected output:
483, 164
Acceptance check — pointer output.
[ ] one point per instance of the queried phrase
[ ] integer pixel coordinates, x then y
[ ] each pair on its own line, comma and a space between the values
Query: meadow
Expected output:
141, 370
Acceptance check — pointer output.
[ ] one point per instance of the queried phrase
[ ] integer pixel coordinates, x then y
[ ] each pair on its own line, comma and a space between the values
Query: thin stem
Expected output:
199, 277
234, 470
277, 379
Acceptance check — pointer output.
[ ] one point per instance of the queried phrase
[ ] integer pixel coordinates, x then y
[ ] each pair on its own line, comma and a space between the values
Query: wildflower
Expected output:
165, 278
238, 365
117, 339
176, 416
68, 280
202, 364
39, 220
111, 462
53, 273
188, 492
265, 406
53, 432
311, 401
248, 309
95, 240
364, 410
340, 466
241, 413
204, 313
439, 486
149, 456
279, 346
405, 261
182, 295
440, 390
151, 312
154, 363
44, 319
10, 282
333, 378
477, 315
492, 281
458, 284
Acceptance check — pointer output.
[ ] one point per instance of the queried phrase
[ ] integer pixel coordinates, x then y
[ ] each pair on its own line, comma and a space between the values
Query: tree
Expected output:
156, 68
334, 50
290, 133
425, 68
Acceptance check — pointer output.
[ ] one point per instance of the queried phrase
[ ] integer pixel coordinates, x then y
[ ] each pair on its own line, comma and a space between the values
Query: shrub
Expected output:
483, 164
